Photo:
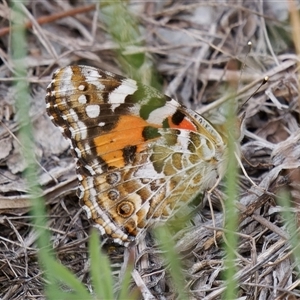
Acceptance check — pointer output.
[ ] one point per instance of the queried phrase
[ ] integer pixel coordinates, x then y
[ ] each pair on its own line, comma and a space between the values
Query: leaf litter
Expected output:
200, 51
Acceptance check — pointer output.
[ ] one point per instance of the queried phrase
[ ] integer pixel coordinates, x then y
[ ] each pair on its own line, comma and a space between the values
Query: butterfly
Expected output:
140, 155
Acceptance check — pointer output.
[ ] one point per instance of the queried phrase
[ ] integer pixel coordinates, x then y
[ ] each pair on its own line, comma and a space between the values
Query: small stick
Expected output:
54, 17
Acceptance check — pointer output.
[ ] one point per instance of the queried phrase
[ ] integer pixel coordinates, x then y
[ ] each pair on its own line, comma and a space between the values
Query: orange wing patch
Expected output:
184, 124
128, 132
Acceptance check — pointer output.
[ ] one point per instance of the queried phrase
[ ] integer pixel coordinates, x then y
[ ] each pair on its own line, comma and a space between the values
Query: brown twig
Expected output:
54, 17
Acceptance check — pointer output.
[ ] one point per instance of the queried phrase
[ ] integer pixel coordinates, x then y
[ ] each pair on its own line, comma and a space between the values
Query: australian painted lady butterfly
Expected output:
140, 154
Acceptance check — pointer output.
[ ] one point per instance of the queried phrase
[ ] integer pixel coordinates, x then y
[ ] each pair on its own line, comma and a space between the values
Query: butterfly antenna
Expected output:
249, 44
265, 80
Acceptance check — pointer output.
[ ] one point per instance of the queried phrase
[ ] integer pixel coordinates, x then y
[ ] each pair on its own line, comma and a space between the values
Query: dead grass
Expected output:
199, 50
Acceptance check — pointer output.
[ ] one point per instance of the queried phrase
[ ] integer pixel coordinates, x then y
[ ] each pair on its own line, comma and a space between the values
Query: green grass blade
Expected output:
231, 215
291, 225
168, 248
66, 278
53, 271
26, 136
125, 31
100, 270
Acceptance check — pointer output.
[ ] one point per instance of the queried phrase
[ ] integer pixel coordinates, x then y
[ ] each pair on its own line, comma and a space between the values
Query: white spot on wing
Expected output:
73, 114
87, 149
126, 244
147, 171
65, 80
97, 167
183, 140
88, 213
161, 113
78, 152
100, 228
90, 169
92, 76
73, 133
92, 111
83, 130
117, 96
82, 99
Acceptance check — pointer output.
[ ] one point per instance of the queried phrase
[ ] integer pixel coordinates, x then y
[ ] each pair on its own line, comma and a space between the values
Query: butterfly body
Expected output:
140, 155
